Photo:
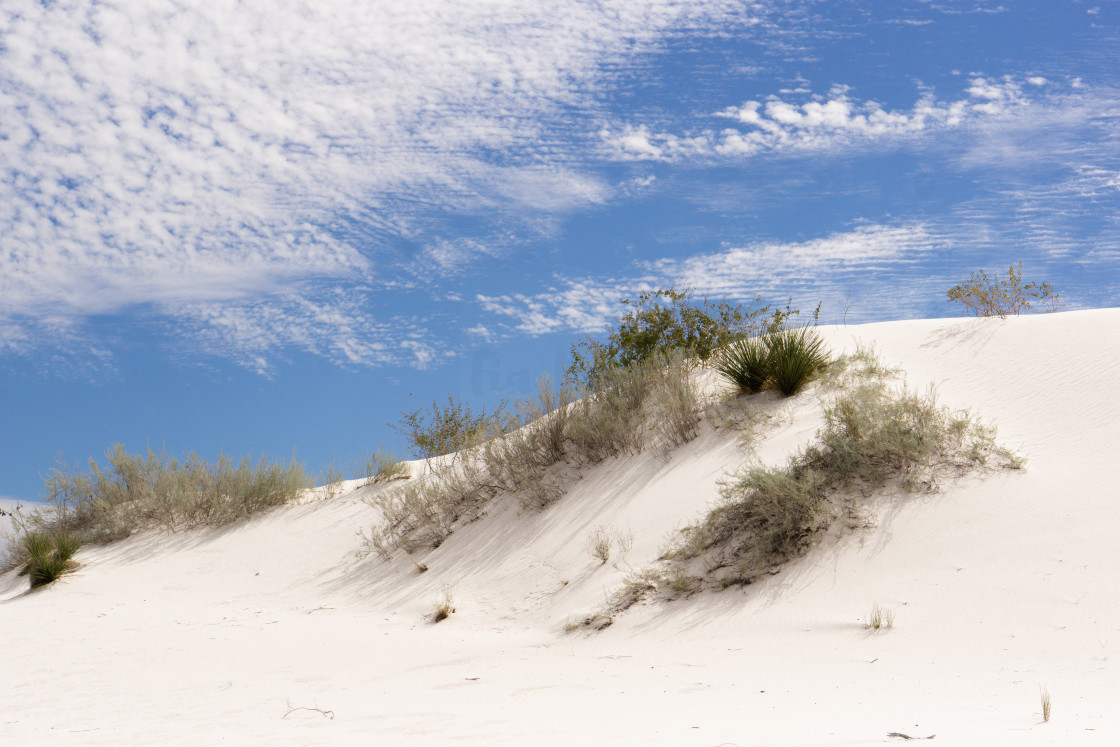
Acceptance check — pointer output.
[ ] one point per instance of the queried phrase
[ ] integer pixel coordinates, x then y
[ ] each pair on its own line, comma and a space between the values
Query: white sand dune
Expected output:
274, 632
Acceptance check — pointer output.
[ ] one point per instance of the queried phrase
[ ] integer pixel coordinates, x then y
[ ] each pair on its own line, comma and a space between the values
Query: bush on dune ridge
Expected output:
663, 323
47, 557
139, 491
649, 404
783, 358
872, 435
996, 296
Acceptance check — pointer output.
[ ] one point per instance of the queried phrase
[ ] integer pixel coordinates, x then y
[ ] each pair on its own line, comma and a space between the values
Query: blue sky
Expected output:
258, 227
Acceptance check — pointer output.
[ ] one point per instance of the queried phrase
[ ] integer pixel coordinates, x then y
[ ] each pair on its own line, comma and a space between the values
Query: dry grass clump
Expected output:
138, 491
380, 466
423, 514
1044, 695
879, 618
536, 439
648, 404
873, 435
445, 606
602, 539
638, 585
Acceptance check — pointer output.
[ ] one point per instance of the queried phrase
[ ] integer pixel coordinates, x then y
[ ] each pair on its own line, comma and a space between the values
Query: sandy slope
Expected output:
999, 586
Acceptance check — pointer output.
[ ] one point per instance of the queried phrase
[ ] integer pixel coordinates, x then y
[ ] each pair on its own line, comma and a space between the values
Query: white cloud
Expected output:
824, 123
809, 270
209, 155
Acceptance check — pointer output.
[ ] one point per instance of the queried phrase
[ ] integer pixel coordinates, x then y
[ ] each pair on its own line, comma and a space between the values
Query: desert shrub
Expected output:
745, 363
662, 323
535, 439
332, 479
872, 435
446, 429
628, 410
764, 517
996, 296
137, 491
48, 556
783, 358
794, 355
676, 404
424, 513
380, 466
609, 420
599, 544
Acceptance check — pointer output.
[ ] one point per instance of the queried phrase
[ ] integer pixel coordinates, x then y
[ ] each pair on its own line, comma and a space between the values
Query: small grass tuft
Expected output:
380, 466
879, 618
1044, 695
599, 544
445, 606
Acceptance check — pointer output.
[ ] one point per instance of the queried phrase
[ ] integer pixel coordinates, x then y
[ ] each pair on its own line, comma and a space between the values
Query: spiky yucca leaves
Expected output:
794, 355
66, 544
746, 364
784, 359
49, 557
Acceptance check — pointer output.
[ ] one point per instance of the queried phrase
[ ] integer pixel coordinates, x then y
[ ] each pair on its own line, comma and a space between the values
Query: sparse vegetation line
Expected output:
154, 490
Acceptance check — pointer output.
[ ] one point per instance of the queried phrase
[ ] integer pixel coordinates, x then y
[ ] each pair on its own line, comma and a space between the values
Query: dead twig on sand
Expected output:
327, 714
900, 735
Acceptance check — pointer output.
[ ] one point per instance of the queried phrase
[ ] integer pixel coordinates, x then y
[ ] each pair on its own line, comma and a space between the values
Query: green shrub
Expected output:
66, 544
794, 355
782, 358
746, 364
995, 296
48, 557
450, 429
663, 323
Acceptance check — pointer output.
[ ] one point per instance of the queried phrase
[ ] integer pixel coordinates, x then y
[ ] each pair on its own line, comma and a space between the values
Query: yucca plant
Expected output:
746, 364
794, 354
48, 558
66, 544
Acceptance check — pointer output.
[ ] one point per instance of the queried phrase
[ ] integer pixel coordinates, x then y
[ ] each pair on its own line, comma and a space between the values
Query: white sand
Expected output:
1000, 585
